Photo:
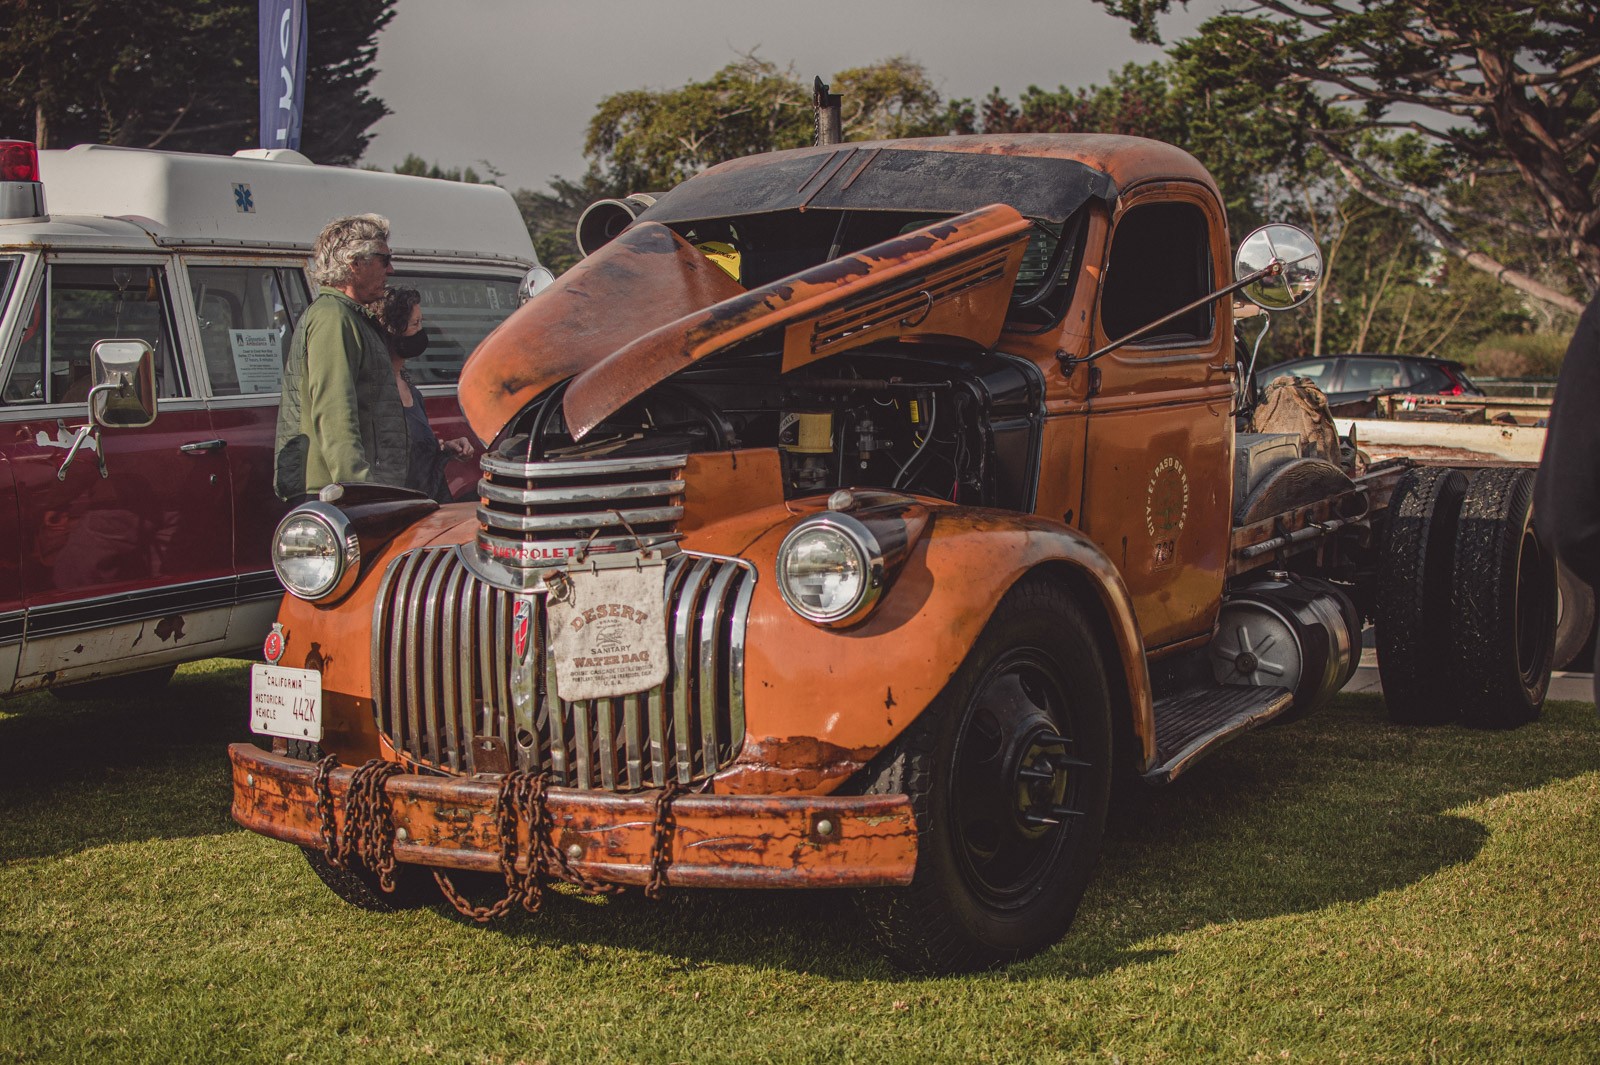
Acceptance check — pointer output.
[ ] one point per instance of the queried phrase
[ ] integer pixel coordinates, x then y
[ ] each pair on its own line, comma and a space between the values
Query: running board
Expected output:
1191, 724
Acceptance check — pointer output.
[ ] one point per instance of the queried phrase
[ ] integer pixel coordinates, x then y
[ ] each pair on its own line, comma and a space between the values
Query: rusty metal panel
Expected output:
994, 237
641, 281
717, 841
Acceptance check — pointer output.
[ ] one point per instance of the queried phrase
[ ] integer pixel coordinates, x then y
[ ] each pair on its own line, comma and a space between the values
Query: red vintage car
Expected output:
127, 549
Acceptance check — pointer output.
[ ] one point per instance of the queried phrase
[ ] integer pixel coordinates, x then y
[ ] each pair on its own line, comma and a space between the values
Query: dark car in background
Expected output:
1356, 380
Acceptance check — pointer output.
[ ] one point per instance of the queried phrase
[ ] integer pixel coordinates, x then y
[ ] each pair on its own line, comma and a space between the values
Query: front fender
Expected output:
336, 639
819, 702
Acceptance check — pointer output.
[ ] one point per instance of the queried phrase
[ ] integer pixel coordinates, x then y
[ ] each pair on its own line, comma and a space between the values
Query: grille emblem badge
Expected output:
521, 626
272, 647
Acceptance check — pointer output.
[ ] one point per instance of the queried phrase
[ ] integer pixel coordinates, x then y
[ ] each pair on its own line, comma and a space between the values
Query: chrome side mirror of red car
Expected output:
123, 396
124, 392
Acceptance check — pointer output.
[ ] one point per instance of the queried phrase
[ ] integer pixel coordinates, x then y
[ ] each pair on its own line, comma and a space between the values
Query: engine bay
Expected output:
949, 423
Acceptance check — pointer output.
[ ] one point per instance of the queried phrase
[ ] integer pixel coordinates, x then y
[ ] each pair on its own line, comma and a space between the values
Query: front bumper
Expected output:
728, 841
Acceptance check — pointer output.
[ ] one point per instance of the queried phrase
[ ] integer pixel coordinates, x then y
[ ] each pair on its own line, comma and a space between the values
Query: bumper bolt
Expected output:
824, 827
250, 780
574, 851
401, 833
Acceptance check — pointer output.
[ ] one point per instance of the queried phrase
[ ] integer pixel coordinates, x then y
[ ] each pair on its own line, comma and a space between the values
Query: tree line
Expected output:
1444, 153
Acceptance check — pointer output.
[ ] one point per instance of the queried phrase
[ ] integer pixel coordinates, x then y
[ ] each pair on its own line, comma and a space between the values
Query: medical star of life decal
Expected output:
242, 198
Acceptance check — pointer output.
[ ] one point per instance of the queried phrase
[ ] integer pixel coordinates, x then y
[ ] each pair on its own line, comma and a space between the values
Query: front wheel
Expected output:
355, 883
1009, 772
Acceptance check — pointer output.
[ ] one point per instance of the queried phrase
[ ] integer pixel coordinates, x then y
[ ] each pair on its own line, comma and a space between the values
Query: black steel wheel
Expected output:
1413, 602
1009, 771
357, 885
1502, 603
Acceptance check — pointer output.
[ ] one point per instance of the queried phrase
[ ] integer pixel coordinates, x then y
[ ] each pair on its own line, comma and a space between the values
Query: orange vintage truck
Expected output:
848, 520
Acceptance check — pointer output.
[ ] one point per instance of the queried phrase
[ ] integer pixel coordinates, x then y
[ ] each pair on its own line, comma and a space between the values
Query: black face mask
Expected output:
412, 346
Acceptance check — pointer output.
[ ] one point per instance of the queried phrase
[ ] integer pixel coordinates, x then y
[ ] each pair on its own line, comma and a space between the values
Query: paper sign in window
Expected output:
257, 359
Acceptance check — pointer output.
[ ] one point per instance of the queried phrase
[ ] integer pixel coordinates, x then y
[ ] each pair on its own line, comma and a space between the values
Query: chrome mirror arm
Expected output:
120, 387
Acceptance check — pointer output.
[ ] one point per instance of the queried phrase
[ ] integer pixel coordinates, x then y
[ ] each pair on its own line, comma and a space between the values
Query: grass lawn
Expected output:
1336, 889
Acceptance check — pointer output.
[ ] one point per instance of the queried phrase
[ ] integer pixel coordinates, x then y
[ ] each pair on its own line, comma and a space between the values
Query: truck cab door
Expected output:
1159, 463
125, 555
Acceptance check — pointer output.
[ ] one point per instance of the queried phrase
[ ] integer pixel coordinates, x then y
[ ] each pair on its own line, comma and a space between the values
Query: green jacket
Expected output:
340, 417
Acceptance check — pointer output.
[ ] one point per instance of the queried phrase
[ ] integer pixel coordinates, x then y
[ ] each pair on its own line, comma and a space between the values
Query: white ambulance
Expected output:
129, 544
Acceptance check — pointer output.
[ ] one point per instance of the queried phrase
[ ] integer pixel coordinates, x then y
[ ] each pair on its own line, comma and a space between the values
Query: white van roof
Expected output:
279, 199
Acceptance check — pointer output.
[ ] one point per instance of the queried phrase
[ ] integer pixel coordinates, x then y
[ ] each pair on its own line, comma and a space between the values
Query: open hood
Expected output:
648, 304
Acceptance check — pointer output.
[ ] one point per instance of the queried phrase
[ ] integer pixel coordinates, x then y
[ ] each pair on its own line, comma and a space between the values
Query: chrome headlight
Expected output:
316, 552
830, 569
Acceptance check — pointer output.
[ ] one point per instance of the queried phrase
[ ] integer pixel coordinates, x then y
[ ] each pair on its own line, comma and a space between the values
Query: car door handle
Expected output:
202, 445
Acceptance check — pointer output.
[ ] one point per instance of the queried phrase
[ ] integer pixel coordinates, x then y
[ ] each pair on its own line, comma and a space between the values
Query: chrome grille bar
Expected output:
711, 621
449, 679
682, 657
560, 765
529, 497
576, 522
430, 663
634, 740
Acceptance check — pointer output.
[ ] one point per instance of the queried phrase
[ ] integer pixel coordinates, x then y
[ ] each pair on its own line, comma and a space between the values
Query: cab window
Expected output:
246, 316
1160, 261
457, 313
78, 304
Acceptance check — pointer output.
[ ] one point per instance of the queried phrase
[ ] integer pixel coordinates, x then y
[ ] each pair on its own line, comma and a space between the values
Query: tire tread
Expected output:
1414, 575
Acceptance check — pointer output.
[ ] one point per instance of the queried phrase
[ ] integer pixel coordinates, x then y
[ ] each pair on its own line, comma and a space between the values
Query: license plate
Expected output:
609, 633
286, 702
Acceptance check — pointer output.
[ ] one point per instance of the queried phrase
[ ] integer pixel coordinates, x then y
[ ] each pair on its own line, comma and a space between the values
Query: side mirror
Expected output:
124, 392
1294, 282
535, 281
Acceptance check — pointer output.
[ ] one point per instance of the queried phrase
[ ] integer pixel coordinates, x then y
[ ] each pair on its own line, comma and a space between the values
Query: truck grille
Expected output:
535, 515
448, 694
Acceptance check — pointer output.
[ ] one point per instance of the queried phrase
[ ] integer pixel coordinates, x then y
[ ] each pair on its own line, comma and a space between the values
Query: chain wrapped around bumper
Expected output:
729, 841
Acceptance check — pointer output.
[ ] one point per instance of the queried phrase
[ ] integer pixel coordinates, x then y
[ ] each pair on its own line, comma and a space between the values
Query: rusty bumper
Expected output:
729, 841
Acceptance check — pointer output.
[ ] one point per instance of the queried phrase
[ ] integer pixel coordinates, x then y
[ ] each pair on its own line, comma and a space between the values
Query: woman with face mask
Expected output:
399, 315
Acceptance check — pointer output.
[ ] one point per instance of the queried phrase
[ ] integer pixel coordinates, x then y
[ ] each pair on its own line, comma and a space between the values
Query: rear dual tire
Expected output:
1466, 600
1413, 603
1502, 602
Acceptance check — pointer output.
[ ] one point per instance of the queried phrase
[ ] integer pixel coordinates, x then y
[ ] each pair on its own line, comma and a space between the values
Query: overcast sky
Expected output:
514, 82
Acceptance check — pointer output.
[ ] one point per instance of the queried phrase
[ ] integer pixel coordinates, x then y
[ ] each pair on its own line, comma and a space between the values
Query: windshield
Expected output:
457, 313
759, 249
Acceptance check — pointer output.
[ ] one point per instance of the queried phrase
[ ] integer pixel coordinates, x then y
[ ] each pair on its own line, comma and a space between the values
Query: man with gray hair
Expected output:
340, 417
